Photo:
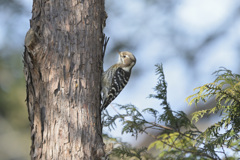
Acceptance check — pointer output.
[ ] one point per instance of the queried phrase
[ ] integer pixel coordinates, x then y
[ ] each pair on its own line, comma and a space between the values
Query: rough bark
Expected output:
63, 66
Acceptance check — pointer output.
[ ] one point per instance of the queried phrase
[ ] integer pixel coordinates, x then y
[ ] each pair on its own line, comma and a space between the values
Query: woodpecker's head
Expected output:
127, 60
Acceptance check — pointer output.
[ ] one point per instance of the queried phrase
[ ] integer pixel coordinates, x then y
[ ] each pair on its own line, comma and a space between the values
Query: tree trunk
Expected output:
63, 66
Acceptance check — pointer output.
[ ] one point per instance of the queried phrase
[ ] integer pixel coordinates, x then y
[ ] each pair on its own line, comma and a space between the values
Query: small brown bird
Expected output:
116, 78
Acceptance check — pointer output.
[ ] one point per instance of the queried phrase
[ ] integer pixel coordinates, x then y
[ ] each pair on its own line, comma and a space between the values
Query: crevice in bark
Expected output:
57, 89
43, 115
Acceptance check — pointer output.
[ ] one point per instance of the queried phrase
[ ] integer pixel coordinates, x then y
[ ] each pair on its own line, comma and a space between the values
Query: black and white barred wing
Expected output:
119, 81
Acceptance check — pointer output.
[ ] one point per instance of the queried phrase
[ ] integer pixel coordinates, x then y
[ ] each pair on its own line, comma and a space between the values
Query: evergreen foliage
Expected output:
179, 138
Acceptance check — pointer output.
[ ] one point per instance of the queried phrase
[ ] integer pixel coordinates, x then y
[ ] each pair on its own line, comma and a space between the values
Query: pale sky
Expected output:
195, 16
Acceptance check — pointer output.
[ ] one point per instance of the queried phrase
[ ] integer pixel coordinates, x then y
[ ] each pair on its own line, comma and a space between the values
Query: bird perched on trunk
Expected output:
116, 78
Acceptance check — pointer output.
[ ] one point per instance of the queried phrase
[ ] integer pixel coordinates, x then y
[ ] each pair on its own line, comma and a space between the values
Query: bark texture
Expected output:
63, 66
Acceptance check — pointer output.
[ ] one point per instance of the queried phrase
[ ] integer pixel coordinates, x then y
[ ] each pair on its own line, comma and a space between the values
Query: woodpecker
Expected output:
116, 78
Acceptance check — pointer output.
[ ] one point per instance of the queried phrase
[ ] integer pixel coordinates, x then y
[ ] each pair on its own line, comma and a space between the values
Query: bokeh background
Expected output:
191, 38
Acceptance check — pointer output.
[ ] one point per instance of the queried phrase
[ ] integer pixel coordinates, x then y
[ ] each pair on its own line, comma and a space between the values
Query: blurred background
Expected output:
191, 38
